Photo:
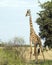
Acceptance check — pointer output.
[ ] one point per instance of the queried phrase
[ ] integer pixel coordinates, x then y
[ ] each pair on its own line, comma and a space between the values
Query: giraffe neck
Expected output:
31, 26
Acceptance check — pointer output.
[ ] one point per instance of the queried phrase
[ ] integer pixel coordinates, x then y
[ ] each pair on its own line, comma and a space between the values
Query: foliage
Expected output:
19, 41
16, 41
45, 22
11, 57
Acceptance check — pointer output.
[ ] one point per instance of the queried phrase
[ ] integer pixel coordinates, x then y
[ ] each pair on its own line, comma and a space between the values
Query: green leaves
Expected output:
45, 21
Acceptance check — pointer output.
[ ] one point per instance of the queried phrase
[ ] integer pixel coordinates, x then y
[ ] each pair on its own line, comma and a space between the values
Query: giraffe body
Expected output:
34, 37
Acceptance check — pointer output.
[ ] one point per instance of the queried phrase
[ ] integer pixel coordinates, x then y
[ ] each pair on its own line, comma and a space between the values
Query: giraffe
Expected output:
34, 38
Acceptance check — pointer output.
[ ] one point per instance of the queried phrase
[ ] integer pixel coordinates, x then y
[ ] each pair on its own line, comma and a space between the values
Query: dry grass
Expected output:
10, 57
47, 54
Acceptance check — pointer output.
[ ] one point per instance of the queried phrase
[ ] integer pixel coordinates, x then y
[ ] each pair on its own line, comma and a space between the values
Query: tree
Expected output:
18, 41
45, 22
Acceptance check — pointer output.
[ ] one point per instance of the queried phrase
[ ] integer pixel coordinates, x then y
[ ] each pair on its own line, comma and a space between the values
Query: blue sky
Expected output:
13, 22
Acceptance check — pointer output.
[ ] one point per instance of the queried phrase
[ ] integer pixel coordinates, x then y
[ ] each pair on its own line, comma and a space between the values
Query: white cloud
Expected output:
15, 3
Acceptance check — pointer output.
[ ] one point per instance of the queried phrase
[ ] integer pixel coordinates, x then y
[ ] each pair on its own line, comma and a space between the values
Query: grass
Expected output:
47, 62
11, 57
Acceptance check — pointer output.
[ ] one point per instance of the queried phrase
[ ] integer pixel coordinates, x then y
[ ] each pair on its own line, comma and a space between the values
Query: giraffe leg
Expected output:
30, 48
35, 53
42, 52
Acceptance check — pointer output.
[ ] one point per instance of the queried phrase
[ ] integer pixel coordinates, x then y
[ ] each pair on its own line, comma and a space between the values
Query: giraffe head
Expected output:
28, 13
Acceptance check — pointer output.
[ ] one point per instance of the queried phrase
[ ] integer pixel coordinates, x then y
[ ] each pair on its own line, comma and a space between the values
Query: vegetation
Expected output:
12, 53
13, 56
45, 22
10, 57
16, 41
